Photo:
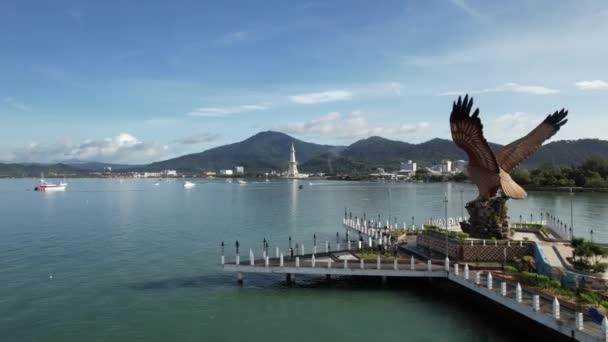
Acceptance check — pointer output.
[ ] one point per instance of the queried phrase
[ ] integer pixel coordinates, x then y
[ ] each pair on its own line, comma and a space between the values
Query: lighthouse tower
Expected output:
292, 172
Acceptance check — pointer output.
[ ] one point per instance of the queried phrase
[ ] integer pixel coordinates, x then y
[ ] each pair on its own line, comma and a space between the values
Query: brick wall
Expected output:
476, 250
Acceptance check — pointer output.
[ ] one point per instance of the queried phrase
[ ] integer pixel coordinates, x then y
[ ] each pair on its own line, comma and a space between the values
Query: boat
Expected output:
46, 186
189, 185
242, 181
156, 184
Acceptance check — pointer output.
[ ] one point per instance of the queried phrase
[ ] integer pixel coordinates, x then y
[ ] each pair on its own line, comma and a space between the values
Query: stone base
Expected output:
487, 219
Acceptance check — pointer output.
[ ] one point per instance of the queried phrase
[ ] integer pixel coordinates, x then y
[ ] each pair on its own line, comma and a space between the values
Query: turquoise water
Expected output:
131, 261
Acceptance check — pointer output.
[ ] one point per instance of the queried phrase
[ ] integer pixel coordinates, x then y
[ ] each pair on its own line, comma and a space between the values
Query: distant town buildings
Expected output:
239, 170
226, 172
407, 169
460, 165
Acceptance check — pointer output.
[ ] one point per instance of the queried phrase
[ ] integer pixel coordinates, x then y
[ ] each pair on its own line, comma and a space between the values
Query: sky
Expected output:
135, 82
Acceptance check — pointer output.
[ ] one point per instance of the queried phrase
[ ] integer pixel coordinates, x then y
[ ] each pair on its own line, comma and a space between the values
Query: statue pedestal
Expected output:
487, 219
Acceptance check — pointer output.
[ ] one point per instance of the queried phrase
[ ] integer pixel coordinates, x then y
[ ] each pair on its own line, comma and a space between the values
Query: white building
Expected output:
239, 170
151, 174
169, 173
446, 166
408, 169
226, 172
460, 166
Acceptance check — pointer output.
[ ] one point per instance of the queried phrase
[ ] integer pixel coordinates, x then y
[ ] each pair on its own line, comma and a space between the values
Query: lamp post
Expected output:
445, 201
462, 203
591, 233
412, 221
571, 211
389, 206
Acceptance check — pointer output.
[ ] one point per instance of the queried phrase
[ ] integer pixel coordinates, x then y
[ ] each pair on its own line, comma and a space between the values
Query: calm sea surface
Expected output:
131, 261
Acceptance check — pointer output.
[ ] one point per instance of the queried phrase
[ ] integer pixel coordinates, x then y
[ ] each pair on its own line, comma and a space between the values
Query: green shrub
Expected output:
462, 235
510, 269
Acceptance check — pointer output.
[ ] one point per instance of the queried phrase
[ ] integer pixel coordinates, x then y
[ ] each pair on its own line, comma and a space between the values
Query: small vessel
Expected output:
45, 186
189, 185
156, 184
242, 182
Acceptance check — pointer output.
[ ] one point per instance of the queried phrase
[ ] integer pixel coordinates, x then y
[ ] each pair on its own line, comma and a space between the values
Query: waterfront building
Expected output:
226, 172
408, 169
460, 166
169, 173
239, 170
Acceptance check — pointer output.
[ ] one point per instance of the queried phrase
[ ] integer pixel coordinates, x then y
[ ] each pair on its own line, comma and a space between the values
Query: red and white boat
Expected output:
45, 186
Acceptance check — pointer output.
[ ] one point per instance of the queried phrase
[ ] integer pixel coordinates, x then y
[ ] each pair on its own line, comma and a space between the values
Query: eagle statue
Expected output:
490, 170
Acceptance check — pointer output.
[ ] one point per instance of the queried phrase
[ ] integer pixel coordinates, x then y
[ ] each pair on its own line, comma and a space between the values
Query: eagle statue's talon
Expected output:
490, 171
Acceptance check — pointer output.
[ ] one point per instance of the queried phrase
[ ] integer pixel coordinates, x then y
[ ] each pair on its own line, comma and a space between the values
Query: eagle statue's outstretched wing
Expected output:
516, 152
467, 133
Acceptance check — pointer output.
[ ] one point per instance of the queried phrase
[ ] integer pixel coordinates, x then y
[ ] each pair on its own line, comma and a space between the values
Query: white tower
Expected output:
292, 172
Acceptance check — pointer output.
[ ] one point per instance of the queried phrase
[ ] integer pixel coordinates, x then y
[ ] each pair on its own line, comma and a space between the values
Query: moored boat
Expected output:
46, 186
189, 185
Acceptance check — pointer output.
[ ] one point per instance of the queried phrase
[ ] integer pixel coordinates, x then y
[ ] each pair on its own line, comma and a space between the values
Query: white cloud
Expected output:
197, 139
235, 37
223, 111
352, 126
326, 96
509, 87
16, 104
123, 147
591, 85
510, 126
468, 9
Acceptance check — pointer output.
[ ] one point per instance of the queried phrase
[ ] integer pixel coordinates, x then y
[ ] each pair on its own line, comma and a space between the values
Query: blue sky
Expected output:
137, 82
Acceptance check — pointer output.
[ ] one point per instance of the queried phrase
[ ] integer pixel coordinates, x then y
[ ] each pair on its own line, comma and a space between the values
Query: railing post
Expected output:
302, 248
251, 258
277, 251
489, 281
338, 246
456, 269
267, 261
329, 263
429, 266
345, 263
238, 260
378, 262
605, 328
313, 260
297, 261
556, 312
518, 293
503, 288
536, 302
412, 264
362, 264
326, 246
477, 277
360, 244
223, 260
395, 264
579, 321
281, 260
466, 271
447, 264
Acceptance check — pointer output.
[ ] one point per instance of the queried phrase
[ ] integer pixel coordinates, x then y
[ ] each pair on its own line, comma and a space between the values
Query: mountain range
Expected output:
270, 150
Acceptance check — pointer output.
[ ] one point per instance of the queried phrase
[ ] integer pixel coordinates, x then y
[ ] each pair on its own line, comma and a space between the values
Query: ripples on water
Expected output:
132, 261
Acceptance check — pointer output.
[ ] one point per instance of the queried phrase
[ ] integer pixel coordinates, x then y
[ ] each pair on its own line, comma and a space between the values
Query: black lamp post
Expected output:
236, 244
290, 242
337, 237
222, 247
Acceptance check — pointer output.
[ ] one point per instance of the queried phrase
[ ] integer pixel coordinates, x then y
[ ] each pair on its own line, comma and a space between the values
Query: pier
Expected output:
545, 311
350, 256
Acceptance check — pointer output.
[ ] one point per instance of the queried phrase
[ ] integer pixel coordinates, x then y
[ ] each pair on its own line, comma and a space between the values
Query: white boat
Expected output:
242, 181
156, 184
45, 186
189, 185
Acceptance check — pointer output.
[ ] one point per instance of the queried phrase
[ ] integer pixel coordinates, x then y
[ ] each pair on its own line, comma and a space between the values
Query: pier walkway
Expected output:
545, 311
